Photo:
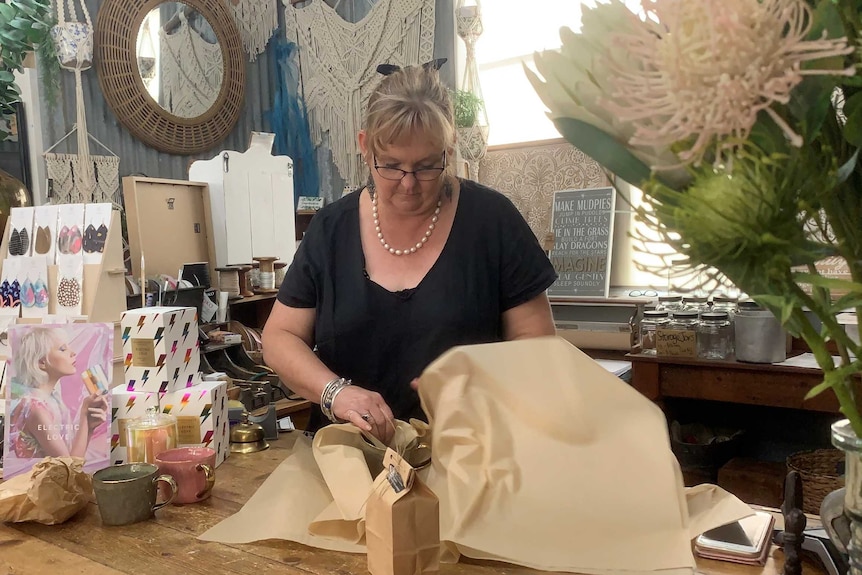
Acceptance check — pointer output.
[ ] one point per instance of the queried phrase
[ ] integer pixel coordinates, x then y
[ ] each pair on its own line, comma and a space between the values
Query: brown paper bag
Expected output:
54, 491
402, 522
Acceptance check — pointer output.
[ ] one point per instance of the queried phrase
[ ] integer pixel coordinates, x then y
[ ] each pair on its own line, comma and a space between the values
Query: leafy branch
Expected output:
24, 26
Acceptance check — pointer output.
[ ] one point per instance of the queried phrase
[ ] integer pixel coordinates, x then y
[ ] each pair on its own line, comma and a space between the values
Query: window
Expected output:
512, 33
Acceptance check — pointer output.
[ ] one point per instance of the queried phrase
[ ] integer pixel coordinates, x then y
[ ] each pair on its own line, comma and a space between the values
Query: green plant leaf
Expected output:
846, 170
853, 127
818, 389
6, 76
781, 306
825, 18
12, 35
847, 301
809, 104
768, 136
604, 149
827, 283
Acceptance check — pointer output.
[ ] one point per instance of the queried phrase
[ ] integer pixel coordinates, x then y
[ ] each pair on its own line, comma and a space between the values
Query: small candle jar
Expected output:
149, 435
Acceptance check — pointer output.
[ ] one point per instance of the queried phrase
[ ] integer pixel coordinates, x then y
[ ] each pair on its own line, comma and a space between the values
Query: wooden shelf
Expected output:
253, 299
252, 311
729, 381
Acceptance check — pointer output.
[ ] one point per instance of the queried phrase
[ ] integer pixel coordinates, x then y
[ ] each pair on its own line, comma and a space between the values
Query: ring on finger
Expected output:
367, 417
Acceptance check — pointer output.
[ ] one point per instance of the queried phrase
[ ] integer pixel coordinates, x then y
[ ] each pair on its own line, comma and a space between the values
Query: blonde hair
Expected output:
409, 101
34, 346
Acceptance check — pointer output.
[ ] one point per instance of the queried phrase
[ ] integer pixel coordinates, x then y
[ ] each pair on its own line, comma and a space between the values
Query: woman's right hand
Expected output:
366, 410
94, 411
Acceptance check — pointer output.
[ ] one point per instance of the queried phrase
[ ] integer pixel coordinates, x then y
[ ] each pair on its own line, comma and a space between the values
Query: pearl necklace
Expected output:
412, 249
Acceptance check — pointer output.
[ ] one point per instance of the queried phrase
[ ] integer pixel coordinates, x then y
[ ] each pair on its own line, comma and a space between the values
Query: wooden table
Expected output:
168, 545
729, 381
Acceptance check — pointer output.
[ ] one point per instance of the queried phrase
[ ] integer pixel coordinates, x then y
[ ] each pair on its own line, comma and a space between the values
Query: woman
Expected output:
41, 424
390, 277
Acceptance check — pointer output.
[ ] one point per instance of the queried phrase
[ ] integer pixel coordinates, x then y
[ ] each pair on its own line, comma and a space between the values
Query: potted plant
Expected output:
24, 27
472, 131
746, 148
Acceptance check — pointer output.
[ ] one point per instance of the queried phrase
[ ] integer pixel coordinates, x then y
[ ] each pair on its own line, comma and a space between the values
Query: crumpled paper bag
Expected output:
317, 495
540, 458
349, 464
402, 522
51, 493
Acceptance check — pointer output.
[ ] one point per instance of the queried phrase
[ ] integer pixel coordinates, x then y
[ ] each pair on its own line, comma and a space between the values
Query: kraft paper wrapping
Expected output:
540, 458
55, 490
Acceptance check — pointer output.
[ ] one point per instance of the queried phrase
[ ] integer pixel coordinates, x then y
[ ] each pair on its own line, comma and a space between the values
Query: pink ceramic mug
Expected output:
193, 468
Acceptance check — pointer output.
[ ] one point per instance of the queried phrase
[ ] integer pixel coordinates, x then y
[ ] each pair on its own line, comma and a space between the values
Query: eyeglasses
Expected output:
643, 293
422, 175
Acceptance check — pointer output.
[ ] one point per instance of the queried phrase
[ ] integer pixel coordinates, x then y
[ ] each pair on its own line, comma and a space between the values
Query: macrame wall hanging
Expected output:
73, 41
256, 20
192, 70
66, 185
339, 65
473, 138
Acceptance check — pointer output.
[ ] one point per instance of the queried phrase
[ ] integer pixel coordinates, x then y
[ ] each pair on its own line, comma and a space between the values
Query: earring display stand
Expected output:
104, 288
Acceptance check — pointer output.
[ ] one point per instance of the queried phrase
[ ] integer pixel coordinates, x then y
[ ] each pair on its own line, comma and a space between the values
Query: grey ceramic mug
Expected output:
127, 493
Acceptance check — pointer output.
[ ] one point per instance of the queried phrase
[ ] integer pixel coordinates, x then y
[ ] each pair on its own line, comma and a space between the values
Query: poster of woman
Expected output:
57, 392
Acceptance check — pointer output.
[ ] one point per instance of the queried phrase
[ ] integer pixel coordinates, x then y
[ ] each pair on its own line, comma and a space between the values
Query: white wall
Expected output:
29, 85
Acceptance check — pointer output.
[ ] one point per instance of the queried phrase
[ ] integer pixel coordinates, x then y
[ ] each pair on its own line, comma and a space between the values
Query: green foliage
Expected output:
765, 214
467, 107
24, 25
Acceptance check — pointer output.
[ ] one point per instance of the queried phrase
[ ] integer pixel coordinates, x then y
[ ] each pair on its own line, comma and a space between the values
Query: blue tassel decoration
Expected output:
289, 120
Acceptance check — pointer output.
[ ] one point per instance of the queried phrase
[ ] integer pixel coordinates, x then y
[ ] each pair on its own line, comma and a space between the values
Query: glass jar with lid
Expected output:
684, 319
679, 335
700, 304
652, 320
669, 303
149, 435
725, 303
714, 335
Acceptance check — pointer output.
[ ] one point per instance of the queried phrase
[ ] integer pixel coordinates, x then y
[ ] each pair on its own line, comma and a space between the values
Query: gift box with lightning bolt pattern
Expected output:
160, 347
125, 406
201, 412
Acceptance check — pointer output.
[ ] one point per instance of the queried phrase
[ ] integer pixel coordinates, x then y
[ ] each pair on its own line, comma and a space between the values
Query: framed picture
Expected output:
57, 399
583, 227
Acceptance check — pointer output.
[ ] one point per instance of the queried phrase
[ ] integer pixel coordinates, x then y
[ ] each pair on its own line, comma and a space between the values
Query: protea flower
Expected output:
692, 75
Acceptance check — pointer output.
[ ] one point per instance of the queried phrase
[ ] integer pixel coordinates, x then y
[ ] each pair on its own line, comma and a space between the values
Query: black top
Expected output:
381, 340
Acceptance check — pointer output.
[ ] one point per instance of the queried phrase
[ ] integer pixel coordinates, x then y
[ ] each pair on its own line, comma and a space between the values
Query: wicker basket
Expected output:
822, 472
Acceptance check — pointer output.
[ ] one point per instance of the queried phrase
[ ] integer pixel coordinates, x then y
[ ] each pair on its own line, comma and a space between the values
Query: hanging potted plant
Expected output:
472, 130
24, 27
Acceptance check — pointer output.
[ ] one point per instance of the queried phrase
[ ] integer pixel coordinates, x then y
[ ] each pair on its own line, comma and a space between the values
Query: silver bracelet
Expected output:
327, 397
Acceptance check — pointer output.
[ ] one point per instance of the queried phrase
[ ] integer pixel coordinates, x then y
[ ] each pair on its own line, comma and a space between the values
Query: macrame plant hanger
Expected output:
73, 41
66, 187
146, 51
256, 20
472, 139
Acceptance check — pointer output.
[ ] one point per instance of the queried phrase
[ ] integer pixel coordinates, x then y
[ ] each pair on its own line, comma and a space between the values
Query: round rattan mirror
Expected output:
118, 30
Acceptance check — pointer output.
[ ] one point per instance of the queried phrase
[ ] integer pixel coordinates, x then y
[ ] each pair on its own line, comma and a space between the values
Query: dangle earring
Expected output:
370, 187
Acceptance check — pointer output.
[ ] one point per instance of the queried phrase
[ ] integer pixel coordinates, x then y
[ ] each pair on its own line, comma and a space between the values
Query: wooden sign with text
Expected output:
583, 222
